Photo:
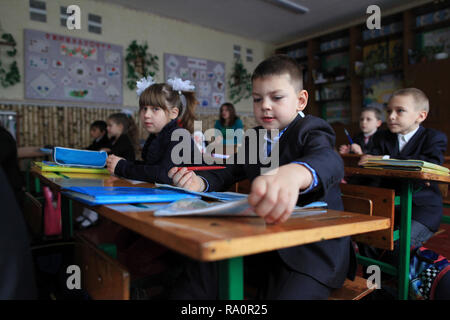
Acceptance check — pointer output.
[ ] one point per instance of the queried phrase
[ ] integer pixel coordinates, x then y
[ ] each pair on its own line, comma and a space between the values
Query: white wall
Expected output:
120, 26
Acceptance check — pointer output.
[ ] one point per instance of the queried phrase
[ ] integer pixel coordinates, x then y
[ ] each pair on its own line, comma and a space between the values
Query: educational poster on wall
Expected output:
208, 77
377, 91
59, 67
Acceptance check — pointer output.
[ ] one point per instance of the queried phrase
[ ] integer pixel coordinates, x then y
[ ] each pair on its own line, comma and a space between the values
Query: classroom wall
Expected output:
120, 26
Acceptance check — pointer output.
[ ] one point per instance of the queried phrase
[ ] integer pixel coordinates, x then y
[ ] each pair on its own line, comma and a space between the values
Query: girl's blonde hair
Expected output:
162, 95
129, 127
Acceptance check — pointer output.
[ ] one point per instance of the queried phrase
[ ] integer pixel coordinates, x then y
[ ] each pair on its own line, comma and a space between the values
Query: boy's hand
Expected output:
365, 158
111, 163
356, 148
273, 196
343, 149
187, 179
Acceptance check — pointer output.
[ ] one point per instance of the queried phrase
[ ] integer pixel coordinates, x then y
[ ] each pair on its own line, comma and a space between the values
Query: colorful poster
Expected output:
377, 91
66, 68
208, 77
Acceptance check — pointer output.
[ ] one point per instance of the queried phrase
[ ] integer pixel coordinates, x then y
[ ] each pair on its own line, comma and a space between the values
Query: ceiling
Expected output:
261, 19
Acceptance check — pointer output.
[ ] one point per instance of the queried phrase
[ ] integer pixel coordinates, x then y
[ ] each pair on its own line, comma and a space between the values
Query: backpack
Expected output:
427, 268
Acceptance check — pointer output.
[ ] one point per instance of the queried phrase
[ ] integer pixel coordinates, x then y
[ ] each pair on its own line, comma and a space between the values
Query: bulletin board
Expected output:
208, 77
59, 67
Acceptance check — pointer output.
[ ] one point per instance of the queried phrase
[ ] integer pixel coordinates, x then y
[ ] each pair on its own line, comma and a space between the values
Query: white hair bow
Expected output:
179, 85
143, 84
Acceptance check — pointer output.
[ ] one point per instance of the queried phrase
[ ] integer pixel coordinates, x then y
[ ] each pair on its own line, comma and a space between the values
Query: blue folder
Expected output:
109, 195
79, 158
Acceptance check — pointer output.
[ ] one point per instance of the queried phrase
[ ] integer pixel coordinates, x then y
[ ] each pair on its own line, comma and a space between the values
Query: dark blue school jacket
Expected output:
428, 145
156, 155
310, 140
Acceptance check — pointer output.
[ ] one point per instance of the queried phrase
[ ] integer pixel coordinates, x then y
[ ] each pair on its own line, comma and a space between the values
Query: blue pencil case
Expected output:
79, 158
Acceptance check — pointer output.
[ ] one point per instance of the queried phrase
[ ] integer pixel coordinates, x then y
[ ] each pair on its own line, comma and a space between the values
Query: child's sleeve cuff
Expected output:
206, 184
315, 181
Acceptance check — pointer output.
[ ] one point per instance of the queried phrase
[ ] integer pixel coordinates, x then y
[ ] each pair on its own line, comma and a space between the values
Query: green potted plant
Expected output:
140, 63
239, 82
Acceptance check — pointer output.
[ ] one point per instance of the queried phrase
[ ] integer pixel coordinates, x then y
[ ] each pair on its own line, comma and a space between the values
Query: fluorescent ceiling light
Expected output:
291, 6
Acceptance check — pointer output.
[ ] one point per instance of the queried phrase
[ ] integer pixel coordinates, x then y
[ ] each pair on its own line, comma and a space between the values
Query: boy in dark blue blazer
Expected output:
308, 170
407, 139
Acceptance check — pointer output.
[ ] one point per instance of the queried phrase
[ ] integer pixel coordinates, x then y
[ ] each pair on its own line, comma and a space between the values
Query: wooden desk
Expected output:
225, 240
57, 181
406, 179
229, 239
30, 152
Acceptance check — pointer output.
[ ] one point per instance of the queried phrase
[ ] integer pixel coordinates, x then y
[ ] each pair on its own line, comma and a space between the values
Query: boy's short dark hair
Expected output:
375, 110
278, 65
99, 124
420, 98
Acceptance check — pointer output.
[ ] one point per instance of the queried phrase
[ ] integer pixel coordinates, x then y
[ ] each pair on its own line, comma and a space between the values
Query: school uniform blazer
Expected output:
310, 140
428, 145
359, 139
123, 147
9, 163
157, 158
104, 142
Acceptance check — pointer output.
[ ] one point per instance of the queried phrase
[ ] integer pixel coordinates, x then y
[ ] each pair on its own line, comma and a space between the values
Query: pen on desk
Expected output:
203, 168
348, 136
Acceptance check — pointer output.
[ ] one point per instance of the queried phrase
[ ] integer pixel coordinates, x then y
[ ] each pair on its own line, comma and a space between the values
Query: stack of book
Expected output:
407, 165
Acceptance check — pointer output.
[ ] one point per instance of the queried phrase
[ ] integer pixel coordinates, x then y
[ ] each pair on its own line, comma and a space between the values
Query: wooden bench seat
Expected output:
352, 290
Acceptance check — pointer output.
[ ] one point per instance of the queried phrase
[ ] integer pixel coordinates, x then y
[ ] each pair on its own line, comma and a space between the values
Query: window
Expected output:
63, 16
236, 51
94, 23
249, 55
38, 11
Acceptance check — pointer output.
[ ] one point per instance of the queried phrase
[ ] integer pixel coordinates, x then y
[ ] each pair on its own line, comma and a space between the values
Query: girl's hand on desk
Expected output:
273, 196
343, 149
111, 163
184, 178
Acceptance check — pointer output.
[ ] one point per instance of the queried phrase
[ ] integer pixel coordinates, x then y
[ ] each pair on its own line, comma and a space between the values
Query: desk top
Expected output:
57, 181
211, 238
396, 174
30, 152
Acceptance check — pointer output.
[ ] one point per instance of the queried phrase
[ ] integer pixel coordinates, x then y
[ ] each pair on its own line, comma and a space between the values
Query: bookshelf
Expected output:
410, 50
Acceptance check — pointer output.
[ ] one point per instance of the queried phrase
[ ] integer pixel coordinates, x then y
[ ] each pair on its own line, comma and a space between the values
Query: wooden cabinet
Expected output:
408, 58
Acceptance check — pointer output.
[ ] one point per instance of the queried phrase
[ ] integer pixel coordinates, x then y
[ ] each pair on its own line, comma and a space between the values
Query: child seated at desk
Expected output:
369, 122
123, 133
407, 139
99, 134
163, 108
309, 170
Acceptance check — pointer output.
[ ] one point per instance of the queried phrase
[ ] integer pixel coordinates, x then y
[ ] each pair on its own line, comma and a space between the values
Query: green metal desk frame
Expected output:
404, 237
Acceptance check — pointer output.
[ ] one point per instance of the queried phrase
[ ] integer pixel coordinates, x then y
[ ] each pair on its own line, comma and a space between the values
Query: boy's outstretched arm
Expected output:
273, 196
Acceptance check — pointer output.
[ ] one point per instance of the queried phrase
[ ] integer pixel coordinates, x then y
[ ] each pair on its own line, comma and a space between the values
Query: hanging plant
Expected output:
11, 75
139, 63
239, 82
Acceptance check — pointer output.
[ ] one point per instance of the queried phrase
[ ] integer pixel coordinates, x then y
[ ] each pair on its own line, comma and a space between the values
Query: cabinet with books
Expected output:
427, 58
381, 66
356, 67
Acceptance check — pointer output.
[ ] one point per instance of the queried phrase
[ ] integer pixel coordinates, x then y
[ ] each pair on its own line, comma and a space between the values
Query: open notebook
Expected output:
197, 207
